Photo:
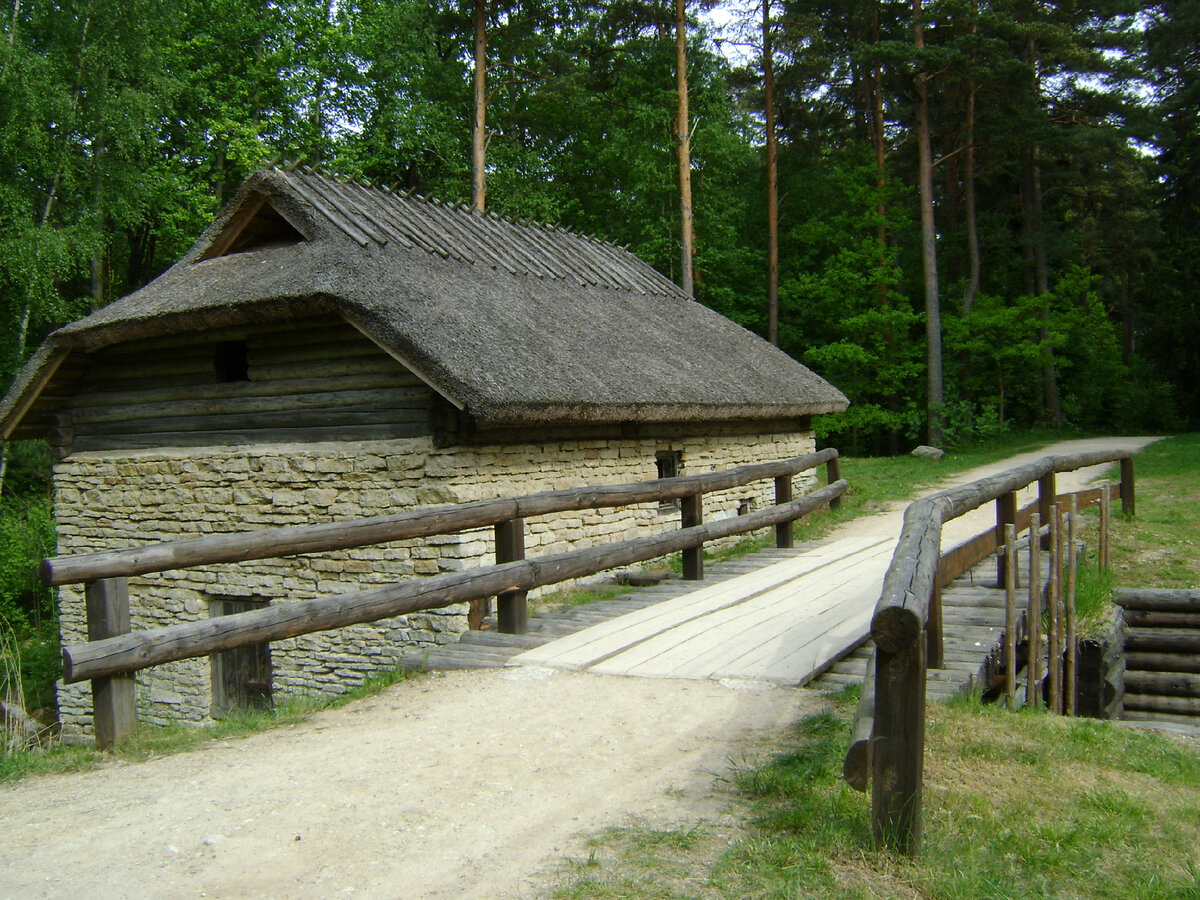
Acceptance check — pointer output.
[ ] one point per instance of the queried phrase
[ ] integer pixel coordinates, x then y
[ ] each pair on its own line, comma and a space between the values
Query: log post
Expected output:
1105, 524
1006, 514
1046, 497
511, 607
1127, 487
114, 715
1071, 678
692, 513
898, 748
856, 767
935, 652
1054, 598
1033, 690
1010, 615
783, 494
833, 473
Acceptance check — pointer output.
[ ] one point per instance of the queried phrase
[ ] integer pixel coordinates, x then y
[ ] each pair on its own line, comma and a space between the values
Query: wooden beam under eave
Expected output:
33, 392
234, 227
398, 357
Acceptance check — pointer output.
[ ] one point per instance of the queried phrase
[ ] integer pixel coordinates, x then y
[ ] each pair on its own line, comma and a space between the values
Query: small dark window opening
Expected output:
232, 361
670, 465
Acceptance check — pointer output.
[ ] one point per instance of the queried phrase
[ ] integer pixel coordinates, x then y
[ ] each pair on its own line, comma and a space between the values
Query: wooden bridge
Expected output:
787, 616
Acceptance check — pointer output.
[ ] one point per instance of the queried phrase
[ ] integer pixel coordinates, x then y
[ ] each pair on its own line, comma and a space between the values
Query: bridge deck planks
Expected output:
780, 623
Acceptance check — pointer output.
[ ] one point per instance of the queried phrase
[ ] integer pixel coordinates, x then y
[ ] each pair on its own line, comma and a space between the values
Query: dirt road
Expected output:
471, 784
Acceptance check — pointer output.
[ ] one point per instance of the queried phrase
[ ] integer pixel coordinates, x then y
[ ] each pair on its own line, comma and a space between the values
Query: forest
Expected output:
972, 216
1001, 190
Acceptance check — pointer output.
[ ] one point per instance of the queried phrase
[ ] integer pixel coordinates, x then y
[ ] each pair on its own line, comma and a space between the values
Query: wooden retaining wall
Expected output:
1162, 654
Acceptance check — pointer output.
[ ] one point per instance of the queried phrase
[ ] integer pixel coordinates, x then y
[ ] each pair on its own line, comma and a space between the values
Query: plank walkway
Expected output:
488, 648
781, 623
795, 617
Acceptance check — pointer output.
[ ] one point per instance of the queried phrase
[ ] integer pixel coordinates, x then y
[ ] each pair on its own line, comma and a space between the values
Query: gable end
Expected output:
259, 226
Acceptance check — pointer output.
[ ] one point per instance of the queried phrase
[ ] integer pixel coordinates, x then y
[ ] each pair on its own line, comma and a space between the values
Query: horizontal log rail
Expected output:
971, 552
888, 737
272, 543
138, 650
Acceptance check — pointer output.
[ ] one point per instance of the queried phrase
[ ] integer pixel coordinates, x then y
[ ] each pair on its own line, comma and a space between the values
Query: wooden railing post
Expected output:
783, 494
1046, 497
898, 748
691, 510
1071, 680
1054, 632
1105, 525
1006, 514
1010, 615
935, 651
114, 715
1033, 690
511, 607
833, 472
1127, 487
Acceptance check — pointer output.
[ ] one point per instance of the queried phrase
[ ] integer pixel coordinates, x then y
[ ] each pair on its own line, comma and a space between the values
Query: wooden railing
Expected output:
113, 652
888, 737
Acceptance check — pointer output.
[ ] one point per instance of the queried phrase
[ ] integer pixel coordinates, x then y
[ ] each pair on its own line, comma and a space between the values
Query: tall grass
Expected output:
12, 732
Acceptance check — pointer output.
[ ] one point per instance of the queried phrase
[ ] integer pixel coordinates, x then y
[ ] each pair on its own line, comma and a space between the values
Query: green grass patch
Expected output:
1016, 806
154, 740
577, 596
1160, 547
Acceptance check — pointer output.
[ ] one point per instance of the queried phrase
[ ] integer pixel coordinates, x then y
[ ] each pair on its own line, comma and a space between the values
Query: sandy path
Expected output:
459, 785
466, 785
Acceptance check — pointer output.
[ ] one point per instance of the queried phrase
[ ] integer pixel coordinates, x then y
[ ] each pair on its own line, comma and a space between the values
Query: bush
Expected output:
26, 536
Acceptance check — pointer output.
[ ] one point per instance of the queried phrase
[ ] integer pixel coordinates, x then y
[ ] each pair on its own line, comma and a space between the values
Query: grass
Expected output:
155, 741
1161, 546
1016, 805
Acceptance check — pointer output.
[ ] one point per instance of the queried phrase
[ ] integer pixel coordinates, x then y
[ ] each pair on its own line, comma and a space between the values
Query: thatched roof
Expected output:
511, 322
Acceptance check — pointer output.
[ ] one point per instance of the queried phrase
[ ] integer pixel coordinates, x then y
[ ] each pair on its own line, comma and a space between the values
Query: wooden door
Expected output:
241, 678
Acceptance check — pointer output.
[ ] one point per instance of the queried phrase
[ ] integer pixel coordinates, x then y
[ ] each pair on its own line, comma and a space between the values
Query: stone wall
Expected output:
110, 500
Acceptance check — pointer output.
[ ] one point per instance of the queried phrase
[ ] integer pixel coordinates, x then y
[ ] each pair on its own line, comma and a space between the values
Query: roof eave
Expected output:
524, 416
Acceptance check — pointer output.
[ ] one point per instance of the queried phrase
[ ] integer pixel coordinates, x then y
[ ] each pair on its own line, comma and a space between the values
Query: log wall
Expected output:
318, 379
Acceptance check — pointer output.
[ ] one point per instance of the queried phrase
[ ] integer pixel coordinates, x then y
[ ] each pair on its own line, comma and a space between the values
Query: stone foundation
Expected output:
110, 500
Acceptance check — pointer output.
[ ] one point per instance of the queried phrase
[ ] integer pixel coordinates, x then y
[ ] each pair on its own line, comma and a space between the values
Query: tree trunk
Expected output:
478, 133
683, 133
772, 181
12, 39
933, 312
1042, 281
879, 141
1128, 348
971, 210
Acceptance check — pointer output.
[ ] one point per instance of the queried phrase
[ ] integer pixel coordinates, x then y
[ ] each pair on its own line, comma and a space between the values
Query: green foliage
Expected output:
124, 126
26, 536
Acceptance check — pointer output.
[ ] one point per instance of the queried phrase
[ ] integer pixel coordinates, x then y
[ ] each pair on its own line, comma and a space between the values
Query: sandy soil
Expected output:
470, 784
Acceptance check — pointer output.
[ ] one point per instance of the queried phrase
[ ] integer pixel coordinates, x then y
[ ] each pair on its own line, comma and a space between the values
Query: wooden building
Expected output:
328, 350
